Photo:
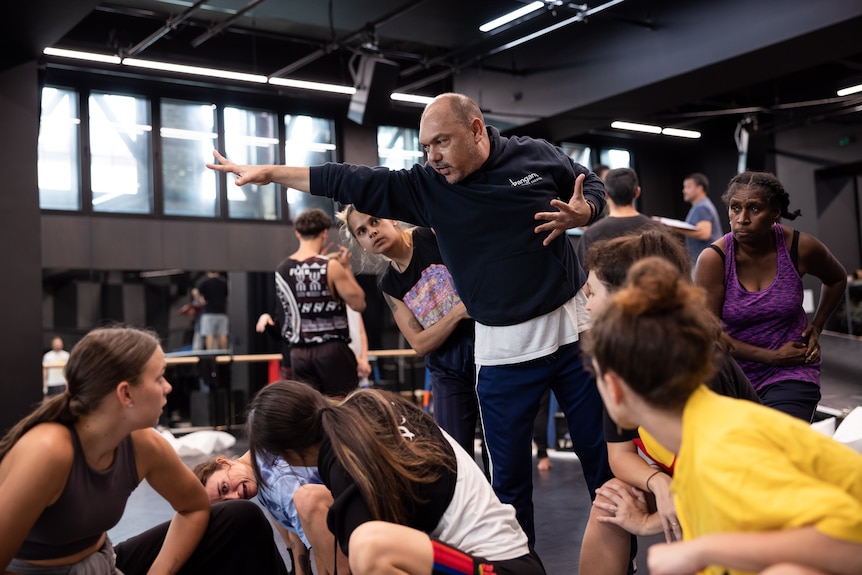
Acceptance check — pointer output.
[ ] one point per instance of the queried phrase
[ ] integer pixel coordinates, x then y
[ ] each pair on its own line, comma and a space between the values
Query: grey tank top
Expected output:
91, 503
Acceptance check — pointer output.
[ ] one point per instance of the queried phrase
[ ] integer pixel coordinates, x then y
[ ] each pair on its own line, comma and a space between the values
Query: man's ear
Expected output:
477, 129
637, 192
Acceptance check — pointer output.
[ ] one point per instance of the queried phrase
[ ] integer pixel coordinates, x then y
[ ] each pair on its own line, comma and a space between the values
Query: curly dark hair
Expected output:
312, 222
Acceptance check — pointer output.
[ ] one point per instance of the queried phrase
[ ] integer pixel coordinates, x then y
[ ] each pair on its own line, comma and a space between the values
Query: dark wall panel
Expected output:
20, 245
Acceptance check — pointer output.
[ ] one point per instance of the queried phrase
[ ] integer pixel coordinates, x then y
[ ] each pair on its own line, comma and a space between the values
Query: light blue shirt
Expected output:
700, 211
282, 480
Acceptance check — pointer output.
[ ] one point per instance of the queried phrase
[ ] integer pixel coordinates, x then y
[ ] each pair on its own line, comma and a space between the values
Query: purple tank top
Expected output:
91, 503
768, 318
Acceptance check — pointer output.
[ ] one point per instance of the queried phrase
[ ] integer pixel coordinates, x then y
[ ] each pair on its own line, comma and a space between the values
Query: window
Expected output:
189, 136
120, 157
616, 158
579, 153
252, 138
309, 141
59, 151
398, 148
121, 176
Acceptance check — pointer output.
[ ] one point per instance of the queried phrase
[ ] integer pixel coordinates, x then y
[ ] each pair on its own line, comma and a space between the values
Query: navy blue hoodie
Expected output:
484, 223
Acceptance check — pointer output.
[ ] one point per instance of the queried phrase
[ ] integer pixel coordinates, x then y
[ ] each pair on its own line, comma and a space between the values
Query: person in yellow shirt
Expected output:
756, 491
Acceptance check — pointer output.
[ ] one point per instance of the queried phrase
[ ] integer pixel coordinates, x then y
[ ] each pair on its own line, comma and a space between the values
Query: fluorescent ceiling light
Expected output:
90, 56
319, 86
194, 70
650, 129
413, 98
513, 15
636, 127
850, 90
680, 133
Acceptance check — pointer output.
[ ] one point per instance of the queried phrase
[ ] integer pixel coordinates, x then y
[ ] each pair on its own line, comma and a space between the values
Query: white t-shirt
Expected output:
532, 339
55, 374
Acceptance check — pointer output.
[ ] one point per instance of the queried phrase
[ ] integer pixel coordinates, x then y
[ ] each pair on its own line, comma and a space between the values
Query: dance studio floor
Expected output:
560, 496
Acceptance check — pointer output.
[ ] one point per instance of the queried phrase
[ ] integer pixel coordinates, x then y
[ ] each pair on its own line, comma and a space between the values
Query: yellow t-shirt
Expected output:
745, 467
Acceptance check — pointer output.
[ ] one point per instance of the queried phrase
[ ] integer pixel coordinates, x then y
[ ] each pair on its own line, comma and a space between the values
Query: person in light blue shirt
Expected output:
702, 215
226, 478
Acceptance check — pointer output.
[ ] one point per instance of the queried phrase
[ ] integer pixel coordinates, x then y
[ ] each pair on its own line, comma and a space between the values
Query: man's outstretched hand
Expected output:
258, 175
573, 214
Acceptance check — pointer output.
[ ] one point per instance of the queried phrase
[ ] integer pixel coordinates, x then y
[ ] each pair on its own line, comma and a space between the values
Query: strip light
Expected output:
90, 56
650, 129
694, 134
633, 127
319, 86
513, 15
199, 71
850, 90
412, 98
194, 70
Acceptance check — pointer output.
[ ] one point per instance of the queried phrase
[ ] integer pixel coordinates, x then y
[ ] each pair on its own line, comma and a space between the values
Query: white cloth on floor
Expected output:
206, 442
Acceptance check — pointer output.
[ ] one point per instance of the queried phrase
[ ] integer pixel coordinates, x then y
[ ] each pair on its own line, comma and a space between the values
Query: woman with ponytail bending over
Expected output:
67, 470
405, 497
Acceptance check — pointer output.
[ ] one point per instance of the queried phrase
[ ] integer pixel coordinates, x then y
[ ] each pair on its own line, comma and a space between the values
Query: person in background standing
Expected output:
702, 215
622, 189
53, 380
212, 293
313, 291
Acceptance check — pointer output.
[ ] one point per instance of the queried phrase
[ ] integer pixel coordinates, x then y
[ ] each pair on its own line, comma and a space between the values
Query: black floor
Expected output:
560, 495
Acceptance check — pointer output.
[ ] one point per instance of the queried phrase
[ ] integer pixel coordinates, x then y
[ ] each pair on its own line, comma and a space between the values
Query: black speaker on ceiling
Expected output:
375, 80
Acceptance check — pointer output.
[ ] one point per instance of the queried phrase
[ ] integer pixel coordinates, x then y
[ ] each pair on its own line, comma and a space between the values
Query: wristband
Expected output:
650, 477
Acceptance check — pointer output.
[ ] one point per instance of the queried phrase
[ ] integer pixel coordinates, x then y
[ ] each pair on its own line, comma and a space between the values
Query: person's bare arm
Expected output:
755, 551
363, 366
816, 259
160, 465
301, 559
343, 284
702, 233
424, 340
288, 176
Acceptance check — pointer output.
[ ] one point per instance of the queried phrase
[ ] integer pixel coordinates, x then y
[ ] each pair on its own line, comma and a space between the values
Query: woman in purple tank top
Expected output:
753, 279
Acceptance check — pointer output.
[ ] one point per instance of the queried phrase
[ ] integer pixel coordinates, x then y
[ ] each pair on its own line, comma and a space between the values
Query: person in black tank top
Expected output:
312, 291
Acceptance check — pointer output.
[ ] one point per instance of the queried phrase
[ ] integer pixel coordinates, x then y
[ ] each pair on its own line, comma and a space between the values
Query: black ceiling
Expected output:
678, 63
